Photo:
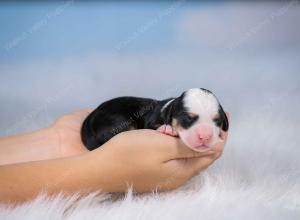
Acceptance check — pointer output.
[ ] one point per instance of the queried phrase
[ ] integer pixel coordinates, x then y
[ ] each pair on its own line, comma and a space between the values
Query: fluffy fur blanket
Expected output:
256, 178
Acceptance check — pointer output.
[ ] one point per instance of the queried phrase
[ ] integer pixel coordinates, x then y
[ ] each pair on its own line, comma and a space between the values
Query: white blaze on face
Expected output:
206, 106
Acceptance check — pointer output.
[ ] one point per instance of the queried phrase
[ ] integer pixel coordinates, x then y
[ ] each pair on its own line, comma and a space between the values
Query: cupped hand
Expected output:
145, 159
148, 160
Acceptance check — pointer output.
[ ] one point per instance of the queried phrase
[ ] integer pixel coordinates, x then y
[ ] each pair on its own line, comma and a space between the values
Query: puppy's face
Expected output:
198, 118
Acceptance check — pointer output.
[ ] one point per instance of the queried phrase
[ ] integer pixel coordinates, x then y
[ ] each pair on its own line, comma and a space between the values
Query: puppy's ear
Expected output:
206, 90
225, 123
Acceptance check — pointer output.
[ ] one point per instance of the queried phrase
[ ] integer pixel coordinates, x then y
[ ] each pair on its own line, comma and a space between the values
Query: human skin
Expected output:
62, 139
144, 159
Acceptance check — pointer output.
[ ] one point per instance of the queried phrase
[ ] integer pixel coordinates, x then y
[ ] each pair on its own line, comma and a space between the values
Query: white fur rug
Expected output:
256, 178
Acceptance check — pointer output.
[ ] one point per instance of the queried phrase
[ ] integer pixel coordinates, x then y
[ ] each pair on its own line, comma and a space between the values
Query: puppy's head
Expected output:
198, 118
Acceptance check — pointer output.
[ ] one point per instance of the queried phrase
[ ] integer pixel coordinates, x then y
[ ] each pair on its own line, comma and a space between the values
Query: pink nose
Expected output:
204, 134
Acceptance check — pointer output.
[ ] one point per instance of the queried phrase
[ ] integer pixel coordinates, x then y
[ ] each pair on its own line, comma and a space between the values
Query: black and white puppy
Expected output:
196, 117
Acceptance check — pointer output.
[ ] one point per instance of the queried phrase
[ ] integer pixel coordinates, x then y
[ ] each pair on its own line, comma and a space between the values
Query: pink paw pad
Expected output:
167, 129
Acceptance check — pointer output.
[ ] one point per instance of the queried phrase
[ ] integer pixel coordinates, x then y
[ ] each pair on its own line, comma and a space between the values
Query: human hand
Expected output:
149, 160
145, 158
68, 129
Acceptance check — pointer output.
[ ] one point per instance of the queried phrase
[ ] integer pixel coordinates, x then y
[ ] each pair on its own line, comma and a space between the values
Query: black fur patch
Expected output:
221, 120
115, 116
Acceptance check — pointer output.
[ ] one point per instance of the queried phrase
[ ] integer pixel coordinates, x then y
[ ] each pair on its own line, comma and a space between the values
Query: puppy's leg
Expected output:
168, 130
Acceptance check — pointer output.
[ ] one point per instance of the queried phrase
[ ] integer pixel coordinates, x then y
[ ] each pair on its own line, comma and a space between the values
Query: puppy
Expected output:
196, 116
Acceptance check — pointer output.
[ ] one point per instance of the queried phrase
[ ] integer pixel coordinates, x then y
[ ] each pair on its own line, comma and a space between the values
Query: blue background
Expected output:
61, 56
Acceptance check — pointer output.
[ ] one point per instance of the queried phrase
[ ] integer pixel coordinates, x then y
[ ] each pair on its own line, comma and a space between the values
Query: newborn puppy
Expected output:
196, 117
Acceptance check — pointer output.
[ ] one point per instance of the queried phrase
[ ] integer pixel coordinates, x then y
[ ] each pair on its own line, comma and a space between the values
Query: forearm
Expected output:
21, 182
39, 145
145, 159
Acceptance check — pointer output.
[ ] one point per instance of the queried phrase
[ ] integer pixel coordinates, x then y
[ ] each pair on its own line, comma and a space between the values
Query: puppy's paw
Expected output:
168, 130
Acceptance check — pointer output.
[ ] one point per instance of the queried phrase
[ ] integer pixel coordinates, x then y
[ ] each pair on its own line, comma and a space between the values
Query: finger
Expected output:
187, 168
176, 149
88, 110
228, 115
224, 137
167, 147
202, 163
219, 147
82, 113
181, 151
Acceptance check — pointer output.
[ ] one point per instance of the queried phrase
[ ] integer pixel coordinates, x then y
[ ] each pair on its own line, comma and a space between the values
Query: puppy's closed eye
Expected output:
186, 119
